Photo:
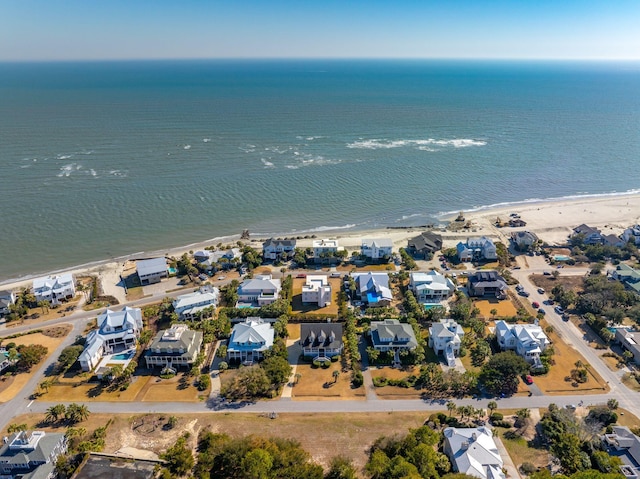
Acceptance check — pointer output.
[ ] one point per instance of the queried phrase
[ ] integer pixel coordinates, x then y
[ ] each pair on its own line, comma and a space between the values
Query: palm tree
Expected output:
44, 305
297, 377
54, 413
75, 432
336, 375
493, 312
451, 407
492, 406
46, 384
76, 413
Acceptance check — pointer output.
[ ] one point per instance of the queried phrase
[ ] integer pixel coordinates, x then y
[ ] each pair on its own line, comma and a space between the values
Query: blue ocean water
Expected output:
99, 160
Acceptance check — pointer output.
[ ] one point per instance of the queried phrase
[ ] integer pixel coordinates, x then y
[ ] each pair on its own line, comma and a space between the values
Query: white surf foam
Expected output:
187, 147
424, 145
267, 163
206, 140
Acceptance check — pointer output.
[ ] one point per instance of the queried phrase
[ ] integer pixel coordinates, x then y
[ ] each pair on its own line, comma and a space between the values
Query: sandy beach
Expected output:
552, 221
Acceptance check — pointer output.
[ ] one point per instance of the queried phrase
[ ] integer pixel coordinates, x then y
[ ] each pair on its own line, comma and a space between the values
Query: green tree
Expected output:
179, 457
341, 468
492, 406
500, 374
30, 355
568, 449
480, 352
257, 464
250, 382
76, 413
451, 407
278, 370
55, 413
336, 375
15, 427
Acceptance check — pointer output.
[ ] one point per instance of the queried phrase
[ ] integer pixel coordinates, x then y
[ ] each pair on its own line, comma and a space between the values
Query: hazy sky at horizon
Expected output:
501, 29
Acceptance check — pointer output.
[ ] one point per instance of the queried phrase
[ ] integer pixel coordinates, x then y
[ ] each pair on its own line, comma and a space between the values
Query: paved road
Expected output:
627, 398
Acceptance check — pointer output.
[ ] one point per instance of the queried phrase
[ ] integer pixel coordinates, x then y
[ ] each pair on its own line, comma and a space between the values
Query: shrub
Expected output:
335, 359
379, 382
528, 468
223, 366
316, 364
357, 379
505, 424
204, 381
326, 364
496, 416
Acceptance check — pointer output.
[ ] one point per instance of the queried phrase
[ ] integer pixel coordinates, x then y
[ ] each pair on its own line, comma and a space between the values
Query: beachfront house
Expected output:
31, 454
249, 340
317, 290
175, 347
445, 337
527, 340
524, 240
424, 245
377, 250
477, 249
7, 298
326, 251
473, 451
373, 288
258, 291
152, 270
278, 249
628, 276
117, 331
629, 341
430, 287
219, 259
54, 289
323, 340
188, 306
391, 335
487, 284
631, 234
589, 235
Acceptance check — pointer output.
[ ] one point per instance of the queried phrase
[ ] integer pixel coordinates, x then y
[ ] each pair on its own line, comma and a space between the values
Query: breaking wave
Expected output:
424, 145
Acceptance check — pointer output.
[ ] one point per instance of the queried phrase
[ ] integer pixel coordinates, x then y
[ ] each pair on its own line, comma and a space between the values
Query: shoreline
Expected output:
552, 220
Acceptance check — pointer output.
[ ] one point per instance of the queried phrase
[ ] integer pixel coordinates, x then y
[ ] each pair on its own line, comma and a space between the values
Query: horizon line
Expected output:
328, 58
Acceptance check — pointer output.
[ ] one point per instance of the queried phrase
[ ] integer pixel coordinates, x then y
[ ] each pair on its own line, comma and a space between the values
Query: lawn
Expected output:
630, 381
625, 418
396, 392
331, 309
145, 386
50, 338
565, 358
505, 308
521, 452
318, 384
573, 283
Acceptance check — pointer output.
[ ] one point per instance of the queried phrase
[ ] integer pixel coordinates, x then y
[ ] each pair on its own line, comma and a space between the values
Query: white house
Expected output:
7, 298
527, 340
316, 289
188, 305
152, 270
273, 249
475, 249
377, 249
373, 288
431, 287
117, 331
324, 246
524, 239
54, 289
211, 259
445, 338
473, 451
249, 340
259, 291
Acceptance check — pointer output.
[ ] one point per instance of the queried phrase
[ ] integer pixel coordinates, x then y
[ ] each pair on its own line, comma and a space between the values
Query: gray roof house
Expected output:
174, 347
152, 270
373, 288
591, 235
392, 335
377, 249
189, 305
476, 249
445, 337
249, 340
321, 339
274, 249
487, 283
31, 454
622, 443
628, 276
259, 291
424, 245
474, 452
524, 239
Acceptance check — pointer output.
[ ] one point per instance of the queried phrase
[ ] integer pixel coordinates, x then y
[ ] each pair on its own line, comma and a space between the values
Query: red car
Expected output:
528, 379
535, 305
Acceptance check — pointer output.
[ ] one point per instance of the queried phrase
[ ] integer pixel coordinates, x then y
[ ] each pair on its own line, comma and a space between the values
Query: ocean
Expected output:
103, 159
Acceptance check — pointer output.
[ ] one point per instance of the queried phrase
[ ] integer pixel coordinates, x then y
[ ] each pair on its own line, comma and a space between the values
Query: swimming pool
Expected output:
122, 356
561, 257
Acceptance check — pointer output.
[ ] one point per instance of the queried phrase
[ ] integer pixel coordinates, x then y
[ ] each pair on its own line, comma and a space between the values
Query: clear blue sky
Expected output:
132, 29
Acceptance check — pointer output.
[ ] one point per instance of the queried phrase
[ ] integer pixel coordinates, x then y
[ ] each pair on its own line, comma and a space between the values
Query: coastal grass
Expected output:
631, 382
318, 384
10, 386
521, 451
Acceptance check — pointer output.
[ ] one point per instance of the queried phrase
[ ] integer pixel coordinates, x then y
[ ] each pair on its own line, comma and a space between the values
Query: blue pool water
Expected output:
561, 257
122, 356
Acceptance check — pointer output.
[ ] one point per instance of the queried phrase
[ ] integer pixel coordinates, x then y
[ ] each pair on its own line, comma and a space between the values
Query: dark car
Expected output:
524, 293
542, 311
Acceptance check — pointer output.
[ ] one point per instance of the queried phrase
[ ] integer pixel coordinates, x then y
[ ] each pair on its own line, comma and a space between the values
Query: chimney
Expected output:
474, 436
464, 446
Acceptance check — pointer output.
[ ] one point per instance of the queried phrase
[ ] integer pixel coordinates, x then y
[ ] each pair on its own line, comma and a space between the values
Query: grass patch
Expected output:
318, 384
520, 451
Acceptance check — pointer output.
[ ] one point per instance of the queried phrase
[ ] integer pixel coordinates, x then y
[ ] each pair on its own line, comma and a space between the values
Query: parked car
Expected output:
565, 316
559, 310
535, 305
547, 273
541, 290
519, 287
301, 275
528, 379
524, 293
542, 311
